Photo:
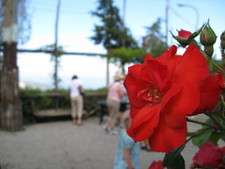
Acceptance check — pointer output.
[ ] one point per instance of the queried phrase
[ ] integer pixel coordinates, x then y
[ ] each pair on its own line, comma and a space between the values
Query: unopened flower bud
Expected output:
222, 44
183, 37
207, 36
222, 38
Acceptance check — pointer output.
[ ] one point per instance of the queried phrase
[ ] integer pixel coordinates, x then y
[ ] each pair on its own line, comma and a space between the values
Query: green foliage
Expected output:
45, 99
125, 55
208, 135
111, 32
100, 90
174, 160
154, 41
28, 91
51, 47
208, 132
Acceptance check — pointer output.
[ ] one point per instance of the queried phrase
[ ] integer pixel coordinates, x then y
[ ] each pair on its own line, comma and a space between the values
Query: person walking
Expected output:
115, 93
124, 104
76, 100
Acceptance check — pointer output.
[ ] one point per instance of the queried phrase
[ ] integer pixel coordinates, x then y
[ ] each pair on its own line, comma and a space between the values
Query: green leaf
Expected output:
174, 160
207, 135
199, 140
215, 137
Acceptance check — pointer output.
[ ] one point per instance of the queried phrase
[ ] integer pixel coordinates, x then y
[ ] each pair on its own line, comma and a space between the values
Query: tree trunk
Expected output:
10, 106
11, 111
107, 72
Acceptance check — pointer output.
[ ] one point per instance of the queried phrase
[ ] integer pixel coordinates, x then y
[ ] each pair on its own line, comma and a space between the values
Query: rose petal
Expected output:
193, 66
210, 92
166, 138
144, 123
184, 34
183, 103
157, 72
132, 89
167, 56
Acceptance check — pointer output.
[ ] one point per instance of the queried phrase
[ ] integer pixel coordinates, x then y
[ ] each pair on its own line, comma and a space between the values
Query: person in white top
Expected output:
76, 100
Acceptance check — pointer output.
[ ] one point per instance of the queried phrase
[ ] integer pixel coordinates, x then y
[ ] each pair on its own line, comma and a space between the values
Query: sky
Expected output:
76, 26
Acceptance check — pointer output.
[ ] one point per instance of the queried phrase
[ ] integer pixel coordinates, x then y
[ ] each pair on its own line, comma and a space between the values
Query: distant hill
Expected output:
34, 85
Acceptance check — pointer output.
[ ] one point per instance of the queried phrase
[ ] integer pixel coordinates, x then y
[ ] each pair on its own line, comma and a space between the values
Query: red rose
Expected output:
156, 165
209, 156
162, 92
209, 90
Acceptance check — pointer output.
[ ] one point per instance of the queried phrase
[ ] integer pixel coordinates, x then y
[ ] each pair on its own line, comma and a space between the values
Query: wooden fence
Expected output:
57, 104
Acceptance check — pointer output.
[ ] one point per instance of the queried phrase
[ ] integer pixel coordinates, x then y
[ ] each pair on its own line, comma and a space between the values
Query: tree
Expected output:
1, 62
1, 59
23, 20
155, 42
10, 106
111, 33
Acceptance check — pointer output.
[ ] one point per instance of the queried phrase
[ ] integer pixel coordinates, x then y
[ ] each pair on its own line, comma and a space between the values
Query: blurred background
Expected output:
76, 25
93, 39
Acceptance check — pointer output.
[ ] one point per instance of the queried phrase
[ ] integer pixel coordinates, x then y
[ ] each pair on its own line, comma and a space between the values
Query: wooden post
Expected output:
107, 72
56, 54
11, 110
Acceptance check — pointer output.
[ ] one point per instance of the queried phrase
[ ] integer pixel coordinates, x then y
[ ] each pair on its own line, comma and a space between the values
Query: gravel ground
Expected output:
62, 145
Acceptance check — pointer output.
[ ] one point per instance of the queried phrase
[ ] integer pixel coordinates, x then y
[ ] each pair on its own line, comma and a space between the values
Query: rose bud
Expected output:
182, 37
207, 36
222, 38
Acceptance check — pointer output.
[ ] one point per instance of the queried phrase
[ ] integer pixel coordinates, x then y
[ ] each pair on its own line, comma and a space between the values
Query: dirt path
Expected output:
62, 145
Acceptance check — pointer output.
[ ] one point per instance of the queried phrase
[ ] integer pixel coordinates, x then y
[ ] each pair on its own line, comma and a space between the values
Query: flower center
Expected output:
151, 94
154, 95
